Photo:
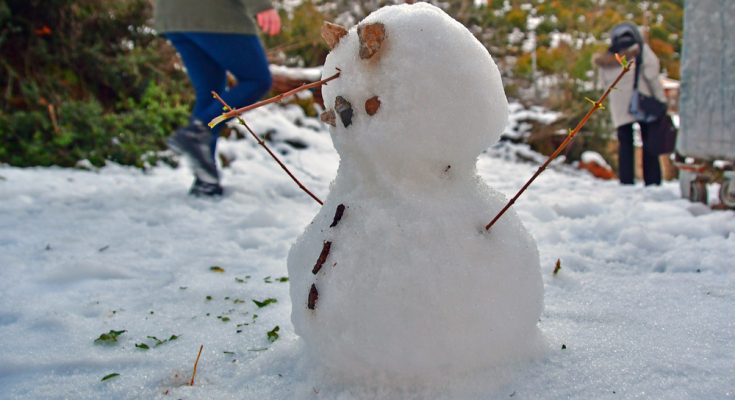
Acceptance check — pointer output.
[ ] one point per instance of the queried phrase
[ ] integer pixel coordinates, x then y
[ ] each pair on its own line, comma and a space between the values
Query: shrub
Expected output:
85, 79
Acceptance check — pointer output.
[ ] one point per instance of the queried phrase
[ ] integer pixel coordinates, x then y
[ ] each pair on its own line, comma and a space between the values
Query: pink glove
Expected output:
269, 21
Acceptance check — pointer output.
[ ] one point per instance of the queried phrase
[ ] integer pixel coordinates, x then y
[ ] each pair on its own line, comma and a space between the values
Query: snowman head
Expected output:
417, 92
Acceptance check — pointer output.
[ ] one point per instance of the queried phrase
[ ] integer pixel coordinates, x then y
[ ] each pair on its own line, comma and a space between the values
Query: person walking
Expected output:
213, 37
626, 40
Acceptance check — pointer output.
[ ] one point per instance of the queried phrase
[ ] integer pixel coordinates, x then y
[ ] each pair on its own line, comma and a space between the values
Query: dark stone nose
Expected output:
344, 110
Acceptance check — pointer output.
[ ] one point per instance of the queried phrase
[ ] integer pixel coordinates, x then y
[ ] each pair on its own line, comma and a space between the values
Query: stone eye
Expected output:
344, 110
372, 105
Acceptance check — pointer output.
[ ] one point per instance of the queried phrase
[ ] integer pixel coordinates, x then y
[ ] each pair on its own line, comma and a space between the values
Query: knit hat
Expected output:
623, 36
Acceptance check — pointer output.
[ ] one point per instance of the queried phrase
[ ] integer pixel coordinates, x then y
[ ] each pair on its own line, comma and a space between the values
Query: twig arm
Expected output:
596, 105
267, 149
236, 112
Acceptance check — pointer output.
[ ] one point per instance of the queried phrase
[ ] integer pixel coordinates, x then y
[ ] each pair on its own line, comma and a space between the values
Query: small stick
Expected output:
338, 215
194, 373
262, 143
322, 257
313, 297
595, 106
235, 112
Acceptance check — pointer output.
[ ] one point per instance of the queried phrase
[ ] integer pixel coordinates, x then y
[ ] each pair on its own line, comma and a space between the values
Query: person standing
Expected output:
626, 40
213, 37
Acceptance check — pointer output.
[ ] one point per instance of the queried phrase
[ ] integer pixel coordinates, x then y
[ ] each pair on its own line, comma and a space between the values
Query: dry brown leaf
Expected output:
332, 33
371, 39
372, 105
329, 117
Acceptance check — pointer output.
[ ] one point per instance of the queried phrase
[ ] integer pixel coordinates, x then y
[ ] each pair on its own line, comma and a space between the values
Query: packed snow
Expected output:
402, 282
306, 74
521, 119
643, 303
594, 157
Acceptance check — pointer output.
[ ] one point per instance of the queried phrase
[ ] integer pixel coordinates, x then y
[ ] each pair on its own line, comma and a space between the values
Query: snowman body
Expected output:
396, 274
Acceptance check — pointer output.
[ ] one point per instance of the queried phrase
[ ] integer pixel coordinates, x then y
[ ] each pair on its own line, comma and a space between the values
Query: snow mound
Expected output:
594, 157
646, 282
437, 106
396, 277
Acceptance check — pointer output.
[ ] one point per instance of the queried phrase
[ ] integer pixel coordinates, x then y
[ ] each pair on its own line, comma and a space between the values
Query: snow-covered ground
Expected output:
642, 307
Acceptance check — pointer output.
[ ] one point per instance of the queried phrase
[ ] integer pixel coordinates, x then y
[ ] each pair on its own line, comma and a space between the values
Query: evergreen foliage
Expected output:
85, 79
89, 79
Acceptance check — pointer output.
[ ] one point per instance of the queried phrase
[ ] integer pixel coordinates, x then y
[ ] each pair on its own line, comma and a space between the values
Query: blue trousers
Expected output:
208, 56
626, 157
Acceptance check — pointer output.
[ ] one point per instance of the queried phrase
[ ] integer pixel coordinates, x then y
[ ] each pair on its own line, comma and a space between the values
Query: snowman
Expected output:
396, 275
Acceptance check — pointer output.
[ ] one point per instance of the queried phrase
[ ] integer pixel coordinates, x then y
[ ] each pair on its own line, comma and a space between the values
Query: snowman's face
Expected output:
415, 86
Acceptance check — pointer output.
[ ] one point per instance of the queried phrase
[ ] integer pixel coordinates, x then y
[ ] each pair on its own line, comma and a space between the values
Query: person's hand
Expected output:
269, 21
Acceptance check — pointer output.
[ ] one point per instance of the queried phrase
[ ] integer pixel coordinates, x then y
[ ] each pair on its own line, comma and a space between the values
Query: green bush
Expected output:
129, 136
85, 79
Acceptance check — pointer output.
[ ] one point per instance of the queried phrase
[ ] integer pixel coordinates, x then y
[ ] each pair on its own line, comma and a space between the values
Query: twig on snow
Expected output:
194, 373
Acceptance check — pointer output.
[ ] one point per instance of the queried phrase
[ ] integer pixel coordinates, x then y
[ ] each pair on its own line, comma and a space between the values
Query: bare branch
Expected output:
235, 112
595, 106
262, 144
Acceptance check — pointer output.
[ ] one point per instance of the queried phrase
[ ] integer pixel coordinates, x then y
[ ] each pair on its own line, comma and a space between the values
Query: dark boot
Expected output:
193, 141
204, 189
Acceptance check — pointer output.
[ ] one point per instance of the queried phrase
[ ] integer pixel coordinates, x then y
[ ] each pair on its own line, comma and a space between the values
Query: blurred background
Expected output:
91, 80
